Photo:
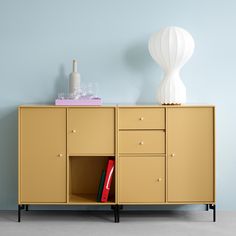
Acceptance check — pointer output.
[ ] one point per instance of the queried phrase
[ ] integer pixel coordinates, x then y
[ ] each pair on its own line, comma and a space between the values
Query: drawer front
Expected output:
141, 179
143, 141
141, 118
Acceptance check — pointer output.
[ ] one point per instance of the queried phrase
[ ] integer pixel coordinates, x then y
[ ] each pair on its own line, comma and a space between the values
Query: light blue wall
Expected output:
39, 39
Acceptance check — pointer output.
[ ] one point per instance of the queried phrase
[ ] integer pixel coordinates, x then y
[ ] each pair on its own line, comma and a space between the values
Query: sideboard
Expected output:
164, 155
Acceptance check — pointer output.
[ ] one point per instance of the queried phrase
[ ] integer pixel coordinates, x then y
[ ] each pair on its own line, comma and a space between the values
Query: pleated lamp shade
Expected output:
171, 48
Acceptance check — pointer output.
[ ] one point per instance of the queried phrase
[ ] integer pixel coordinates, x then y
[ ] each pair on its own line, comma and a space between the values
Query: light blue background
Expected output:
39, 39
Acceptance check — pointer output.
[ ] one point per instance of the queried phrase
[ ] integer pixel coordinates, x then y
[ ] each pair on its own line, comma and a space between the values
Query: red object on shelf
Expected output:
108, 179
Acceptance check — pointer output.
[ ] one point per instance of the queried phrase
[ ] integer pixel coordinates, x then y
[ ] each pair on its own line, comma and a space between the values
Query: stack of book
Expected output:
105, 181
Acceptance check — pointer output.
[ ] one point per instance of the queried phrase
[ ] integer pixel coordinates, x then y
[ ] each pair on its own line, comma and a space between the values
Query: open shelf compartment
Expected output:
84, 178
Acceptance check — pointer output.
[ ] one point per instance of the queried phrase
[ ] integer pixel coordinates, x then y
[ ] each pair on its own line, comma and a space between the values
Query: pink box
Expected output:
79, 102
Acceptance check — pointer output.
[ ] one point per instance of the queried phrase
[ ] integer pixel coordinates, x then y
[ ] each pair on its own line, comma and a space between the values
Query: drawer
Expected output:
141, 180
141, 118
142, 141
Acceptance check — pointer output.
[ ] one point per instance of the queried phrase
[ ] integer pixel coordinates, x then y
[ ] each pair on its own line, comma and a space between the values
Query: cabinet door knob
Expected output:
159, 179
141, 118
60, 155
141, 143
172, 155
73, 131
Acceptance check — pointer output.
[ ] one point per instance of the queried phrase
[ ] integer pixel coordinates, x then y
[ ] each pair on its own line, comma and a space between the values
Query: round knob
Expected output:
141, 118
172, 154
141, 143
159, 179
73, 131
60, 155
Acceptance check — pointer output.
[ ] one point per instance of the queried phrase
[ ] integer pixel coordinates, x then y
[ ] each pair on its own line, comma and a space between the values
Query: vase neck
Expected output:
173, 74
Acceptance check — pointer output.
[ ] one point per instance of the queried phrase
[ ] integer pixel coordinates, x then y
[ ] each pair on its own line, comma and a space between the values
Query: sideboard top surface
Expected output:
117, 105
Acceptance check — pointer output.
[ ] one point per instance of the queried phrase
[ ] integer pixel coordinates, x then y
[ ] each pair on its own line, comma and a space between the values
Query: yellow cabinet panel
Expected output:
141, 179
190, 154
141, 118
144, 141
91, 131
42, 155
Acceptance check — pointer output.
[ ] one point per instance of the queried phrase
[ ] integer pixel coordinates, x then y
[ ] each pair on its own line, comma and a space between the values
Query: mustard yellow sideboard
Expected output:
164, 155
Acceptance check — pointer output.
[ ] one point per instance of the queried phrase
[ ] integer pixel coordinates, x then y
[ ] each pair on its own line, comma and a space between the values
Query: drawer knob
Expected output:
141, 118
141, 143
159, 179
172, 155
60, 155
73, 131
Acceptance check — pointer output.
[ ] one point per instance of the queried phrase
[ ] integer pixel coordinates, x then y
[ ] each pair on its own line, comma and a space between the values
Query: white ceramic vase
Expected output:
171, 48
74, 82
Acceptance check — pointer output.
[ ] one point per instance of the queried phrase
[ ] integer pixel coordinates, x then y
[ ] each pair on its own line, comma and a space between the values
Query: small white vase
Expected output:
74, 82
171, 48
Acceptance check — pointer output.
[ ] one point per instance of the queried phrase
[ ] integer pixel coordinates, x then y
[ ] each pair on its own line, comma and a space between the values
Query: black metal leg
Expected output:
214, 213
113, 207
207, 207
19, 211
213, 207
117, 219
26, 207
116, 208
20, 207
120, 207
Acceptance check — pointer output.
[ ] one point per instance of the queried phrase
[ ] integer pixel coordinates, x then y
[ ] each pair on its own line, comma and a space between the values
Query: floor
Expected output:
162, 223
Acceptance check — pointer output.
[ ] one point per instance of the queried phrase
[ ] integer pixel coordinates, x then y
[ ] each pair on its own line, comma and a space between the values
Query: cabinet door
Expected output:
190, 145
42, 155
141, 179
91, 131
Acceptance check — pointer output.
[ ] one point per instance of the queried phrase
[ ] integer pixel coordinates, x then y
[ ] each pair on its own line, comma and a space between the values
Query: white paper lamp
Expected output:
171, 48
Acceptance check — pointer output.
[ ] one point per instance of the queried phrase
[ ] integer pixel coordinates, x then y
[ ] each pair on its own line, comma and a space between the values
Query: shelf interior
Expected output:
89, 199
84, 178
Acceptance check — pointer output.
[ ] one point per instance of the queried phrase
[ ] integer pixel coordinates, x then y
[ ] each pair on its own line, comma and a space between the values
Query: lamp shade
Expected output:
171, 48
